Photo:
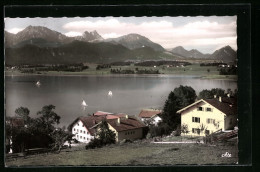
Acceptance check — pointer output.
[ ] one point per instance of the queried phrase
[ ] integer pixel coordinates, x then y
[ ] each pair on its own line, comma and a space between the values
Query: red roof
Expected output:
227, 105
148, 113
126, 124
88, 121
101, 113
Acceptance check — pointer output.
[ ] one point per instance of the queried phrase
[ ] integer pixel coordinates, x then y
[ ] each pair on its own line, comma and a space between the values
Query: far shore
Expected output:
80, 74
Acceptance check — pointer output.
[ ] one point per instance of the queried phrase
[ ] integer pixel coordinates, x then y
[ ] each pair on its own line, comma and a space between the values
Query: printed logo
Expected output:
228, 155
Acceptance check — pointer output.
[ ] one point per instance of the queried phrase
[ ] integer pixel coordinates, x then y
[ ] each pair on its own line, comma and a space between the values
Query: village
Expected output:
211, 119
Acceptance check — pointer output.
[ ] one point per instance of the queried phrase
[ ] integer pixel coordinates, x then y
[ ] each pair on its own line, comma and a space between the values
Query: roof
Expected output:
126, 124
149, 113
228, 105
88, 121
100, 113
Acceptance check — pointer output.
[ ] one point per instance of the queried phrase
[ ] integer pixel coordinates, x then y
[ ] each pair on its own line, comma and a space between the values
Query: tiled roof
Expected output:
227, 105
126, 124
148, 113
101, 113
88, 121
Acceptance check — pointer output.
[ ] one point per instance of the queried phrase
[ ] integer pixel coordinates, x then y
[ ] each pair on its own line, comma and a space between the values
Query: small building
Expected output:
207, 116
82, 128
151, 116
125, 127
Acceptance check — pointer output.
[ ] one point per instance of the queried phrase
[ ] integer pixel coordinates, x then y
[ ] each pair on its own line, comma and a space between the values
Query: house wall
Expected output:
156, 119
81, 132
230, 122
214, 115
128, 134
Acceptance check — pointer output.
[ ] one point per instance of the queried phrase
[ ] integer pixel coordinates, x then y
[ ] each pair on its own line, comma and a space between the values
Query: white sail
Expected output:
110, 94
38, 83
84, 103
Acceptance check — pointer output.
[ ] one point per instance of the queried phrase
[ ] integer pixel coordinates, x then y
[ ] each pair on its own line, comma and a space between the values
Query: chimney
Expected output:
220, 100
215, 96
118, 120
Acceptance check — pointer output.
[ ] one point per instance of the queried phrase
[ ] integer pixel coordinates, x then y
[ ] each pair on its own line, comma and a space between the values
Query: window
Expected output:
74, 129
196, 119
81, 137
84, 138
78, 124
200, 108
207, 132
195, 130
210, 121
77, 130
209, 109
82, 125
80, 131
84, 132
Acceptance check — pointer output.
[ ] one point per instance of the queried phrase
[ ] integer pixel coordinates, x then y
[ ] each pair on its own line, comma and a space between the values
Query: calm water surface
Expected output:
130, 93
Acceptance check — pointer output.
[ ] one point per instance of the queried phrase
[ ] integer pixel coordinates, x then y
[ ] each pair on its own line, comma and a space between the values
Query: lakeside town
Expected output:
121, 91
209, 120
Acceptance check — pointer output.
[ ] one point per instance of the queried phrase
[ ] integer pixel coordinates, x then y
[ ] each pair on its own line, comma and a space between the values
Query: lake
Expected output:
130, 93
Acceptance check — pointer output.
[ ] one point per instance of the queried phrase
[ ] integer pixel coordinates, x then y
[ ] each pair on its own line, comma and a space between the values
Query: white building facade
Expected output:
81, 133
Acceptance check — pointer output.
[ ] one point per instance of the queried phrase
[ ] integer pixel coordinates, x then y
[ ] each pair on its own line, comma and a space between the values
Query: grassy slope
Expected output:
136, 154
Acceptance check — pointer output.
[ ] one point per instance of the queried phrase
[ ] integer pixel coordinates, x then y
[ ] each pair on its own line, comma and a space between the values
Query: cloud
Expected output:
111, 35
72, 34
15, 30
191, 34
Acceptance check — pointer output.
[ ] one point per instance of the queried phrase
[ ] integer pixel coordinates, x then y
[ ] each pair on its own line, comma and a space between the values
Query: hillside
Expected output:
78, 52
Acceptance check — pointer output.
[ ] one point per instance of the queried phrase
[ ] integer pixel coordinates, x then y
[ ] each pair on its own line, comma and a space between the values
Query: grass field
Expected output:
134, 154
205, 72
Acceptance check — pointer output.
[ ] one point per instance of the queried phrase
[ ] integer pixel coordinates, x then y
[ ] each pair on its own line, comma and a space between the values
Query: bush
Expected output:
94, 143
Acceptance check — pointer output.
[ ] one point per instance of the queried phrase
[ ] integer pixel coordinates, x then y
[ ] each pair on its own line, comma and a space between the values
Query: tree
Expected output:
218, 92
184, 129
177, 99
104, 136
209, 94
206, 94
48, 119
60, 136
23, 112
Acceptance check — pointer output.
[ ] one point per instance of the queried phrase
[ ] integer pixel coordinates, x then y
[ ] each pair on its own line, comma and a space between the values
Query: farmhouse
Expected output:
150, 115
125, 127
207, 116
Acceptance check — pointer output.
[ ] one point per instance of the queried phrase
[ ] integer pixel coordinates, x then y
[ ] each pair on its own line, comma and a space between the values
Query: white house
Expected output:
150, 115
125, 127
210, 115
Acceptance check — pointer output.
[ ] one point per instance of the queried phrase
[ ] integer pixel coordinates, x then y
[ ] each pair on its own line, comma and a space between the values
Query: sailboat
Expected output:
110, 94
84, 104
38, 83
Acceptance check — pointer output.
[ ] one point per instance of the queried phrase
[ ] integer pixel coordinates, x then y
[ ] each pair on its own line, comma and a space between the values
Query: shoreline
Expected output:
212, 77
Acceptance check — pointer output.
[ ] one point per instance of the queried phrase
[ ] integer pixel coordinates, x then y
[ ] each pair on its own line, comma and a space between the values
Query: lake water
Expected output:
130, 93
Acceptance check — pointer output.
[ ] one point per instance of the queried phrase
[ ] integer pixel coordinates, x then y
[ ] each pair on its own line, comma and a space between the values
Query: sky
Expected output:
205, 34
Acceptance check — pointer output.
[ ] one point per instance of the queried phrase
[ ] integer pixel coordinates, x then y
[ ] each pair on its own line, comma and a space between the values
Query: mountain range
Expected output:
41, 45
